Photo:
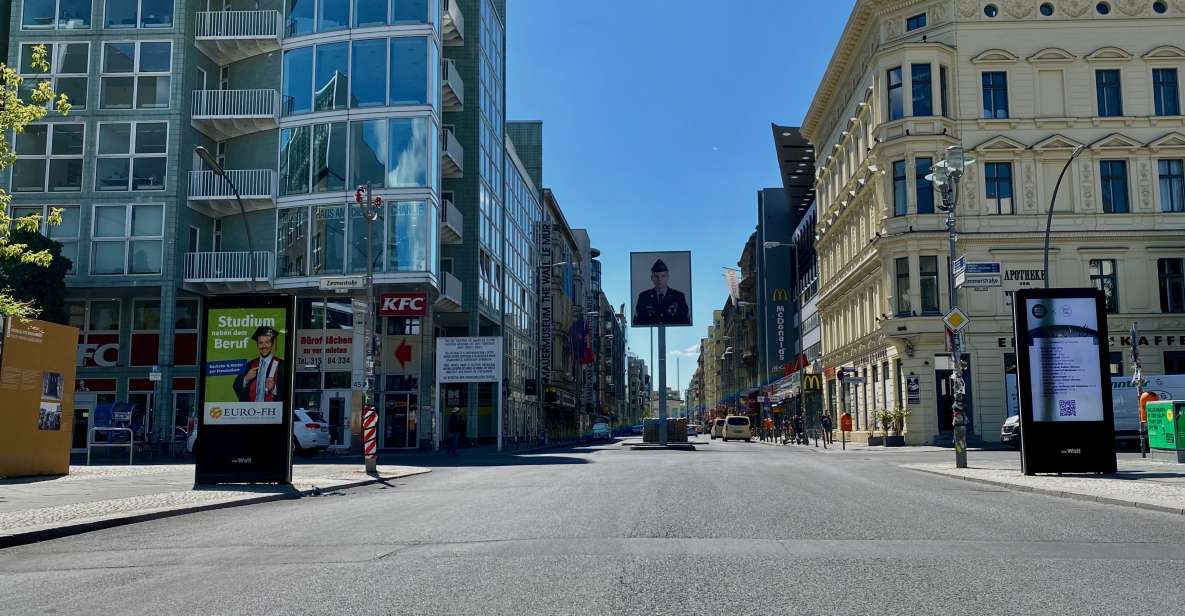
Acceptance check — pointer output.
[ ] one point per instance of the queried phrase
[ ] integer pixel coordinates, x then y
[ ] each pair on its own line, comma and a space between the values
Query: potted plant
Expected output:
882, 419
897, 424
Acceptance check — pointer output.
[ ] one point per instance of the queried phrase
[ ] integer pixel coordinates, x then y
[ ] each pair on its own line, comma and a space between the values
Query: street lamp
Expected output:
1049, 215
946, 175
217, 170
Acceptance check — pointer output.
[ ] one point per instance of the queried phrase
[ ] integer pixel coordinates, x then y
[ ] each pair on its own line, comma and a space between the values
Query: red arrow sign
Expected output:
403, 353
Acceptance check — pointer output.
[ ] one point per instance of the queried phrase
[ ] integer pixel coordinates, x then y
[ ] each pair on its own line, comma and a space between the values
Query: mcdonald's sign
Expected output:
812, 382
780, 295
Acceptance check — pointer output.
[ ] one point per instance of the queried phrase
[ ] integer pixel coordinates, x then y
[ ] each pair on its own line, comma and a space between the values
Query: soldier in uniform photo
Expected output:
262, 378
661, 305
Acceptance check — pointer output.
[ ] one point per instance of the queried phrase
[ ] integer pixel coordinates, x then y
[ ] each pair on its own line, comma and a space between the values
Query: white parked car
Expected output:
310, 433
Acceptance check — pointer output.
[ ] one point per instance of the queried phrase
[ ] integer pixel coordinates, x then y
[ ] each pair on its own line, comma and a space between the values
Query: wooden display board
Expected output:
37, 388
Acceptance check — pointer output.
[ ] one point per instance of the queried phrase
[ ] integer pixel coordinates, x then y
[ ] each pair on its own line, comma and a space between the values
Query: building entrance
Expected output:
335, 406
399, 421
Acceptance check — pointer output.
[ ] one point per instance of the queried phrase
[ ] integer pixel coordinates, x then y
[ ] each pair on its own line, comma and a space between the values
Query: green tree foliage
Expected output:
18, 236
33, 284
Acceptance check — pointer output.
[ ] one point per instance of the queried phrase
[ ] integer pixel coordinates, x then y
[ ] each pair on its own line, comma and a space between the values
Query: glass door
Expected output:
398, 427
336, 407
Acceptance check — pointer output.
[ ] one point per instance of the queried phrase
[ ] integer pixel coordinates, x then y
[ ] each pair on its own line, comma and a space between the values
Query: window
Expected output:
331, 87
56, 14
1103, 276
328, 236
1116, 361
359, 244
943, 91
995, 95
136, 75
1172, 180
1172, 284
915, 22
409, 71
923, 90
137, 14
896, 104
69, 64
298, 81
998, 185
48, 158
65, 233
928, 271
127, 239
925, 189
1166, 92
370, 13
368, 55
1107, 90
308, 16
900, 190
1113, 175
292, 242
132, 156
1174, 362
903, 306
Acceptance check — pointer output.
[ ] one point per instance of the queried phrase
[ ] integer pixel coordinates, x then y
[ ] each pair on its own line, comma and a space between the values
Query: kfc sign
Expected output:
404, 305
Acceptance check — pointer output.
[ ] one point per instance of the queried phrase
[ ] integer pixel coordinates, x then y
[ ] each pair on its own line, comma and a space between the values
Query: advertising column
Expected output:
245, 428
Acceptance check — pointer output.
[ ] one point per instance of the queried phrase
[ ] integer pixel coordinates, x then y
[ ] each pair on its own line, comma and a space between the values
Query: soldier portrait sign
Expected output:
661, 288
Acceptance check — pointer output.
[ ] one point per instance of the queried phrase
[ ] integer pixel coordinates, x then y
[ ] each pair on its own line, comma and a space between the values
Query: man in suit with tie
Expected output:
262, 379
661, 305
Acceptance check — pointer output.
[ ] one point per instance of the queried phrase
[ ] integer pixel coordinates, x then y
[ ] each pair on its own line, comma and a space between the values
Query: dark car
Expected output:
1010, 432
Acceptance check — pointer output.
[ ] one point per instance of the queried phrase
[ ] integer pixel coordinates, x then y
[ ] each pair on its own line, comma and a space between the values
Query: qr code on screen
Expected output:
1067, 408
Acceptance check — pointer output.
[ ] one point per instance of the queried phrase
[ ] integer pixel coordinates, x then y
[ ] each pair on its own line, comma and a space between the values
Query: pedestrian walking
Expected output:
800, 428
825, 421
456, 427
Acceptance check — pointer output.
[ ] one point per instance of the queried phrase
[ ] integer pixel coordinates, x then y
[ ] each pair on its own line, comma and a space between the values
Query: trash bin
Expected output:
1166, 430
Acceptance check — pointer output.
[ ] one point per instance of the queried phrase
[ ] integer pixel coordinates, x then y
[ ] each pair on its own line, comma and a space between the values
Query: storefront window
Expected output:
291, 241
407, 237
359, 245
328, 239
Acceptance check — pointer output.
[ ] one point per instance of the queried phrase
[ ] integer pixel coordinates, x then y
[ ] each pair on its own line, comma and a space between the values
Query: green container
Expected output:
1166, 425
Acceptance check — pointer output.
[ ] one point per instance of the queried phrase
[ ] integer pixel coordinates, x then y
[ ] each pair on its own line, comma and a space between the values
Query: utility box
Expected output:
1166, 430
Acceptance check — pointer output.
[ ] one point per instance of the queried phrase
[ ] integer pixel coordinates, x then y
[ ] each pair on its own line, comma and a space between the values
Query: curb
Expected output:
1105, 500
67, 530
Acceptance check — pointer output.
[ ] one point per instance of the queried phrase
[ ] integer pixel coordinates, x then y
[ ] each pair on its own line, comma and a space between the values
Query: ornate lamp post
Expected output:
946, 176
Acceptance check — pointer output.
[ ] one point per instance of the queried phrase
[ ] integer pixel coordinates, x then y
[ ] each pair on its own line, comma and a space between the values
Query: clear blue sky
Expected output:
656, 122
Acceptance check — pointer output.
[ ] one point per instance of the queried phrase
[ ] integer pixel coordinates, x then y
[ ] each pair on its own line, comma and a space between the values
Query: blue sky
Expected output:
656, 122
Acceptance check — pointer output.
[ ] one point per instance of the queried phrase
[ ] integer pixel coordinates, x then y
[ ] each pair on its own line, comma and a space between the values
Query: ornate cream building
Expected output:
1019, 84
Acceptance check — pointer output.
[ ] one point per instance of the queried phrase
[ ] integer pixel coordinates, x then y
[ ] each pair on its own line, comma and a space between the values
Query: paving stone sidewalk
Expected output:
93, 497
1150, 485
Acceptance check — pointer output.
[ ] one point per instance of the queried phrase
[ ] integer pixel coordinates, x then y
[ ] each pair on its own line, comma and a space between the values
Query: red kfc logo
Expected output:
404, 305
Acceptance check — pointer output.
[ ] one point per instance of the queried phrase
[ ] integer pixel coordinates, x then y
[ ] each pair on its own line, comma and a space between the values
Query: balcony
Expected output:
452, 223
451, 298
454, 88
229, 36
211, 195
452, 157
453, 23
226, 114
228, 272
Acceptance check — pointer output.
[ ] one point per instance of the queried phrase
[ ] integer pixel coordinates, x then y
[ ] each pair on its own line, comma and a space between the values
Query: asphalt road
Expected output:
733, 528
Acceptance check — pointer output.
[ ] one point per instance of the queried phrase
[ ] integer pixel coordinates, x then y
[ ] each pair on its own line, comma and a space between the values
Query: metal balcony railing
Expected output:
454, 88
453, 26
227, 267
452, 223
252, 184
453, 155
237, 24
216, 104
451, 297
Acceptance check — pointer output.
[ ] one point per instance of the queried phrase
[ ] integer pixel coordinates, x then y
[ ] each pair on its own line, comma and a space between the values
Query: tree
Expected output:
33, 284
18, 236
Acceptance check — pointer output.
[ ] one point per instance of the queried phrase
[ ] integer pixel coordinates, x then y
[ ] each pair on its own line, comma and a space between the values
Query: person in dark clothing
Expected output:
456, 428
825, 422
800, 429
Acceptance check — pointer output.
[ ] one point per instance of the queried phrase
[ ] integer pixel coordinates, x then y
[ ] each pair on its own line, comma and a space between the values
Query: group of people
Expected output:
793, 429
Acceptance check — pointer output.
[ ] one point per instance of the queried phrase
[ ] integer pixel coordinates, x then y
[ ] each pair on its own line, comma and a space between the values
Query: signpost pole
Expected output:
662, 385
1138, 379
370, 210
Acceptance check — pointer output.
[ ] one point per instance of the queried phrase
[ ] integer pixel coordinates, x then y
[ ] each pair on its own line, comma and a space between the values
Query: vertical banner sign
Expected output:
776, 222
245, 428
1067, 418
546, 258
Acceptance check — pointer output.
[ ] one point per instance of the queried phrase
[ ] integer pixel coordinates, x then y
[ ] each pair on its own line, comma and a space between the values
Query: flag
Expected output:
733, 284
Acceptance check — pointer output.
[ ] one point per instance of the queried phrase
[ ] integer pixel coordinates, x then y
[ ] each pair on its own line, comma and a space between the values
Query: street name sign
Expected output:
980, 275
342, 284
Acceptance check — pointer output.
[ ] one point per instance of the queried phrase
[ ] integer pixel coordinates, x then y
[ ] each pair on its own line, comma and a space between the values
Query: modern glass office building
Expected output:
301, 101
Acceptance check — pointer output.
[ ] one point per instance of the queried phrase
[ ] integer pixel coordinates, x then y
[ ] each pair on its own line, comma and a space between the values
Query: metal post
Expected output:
662, 385
370, 210
958, 387
1049, 215
1138, 379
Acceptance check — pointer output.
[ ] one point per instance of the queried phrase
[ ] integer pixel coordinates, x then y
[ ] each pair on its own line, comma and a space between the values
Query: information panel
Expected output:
1067, 422
469, 360
245, 428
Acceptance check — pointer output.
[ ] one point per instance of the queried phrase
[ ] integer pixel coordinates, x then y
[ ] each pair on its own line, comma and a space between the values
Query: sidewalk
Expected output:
93, 497
1157, 486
